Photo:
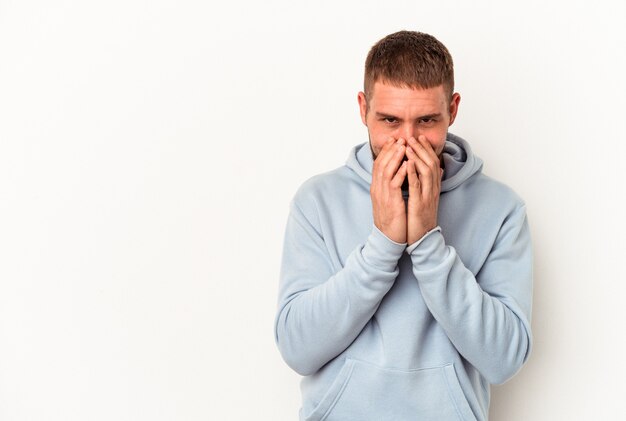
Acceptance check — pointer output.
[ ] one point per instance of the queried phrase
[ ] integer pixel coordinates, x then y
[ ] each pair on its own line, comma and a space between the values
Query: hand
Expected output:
424, 175
388, 206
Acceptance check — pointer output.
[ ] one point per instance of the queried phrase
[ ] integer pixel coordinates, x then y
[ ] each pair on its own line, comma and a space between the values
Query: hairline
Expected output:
368, 93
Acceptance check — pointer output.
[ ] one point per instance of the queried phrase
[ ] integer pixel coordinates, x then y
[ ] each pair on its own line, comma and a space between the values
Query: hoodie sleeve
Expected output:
486, 317
321, 311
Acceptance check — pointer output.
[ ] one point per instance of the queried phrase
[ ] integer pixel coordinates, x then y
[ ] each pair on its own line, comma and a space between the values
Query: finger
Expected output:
428, 147
387, 169
380, 163
424, 173
414, 182
428, 156
437, 171
438, 180
421, 151
388, 143
391, 161
386, 153
398, 179
384, 150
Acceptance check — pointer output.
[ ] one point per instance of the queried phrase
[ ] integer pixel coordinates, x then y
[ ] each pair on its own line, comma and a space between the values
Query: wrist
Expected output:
382, 252
418, 233
414, 245
394, 241
399, 237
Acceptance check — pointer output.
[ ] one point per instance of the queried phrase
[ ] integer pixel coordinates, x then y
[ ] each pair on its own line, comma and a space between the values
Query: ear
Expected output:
454, 107
362, 107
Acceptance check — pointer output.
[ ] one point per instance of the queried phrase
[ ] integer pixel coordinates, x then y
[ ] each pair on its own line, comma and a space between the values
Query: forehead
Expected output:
401, 99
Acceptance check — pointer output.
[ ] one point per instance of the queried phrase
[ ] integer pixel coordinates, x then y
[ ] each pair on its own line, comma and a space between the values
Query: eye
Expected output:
427, 121
390, 120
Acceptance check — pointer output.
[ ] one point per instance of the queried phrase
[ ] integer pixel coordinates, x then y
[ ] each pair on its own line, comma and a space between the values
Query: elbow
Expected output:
296, 359
294, 352
509, 366
502, 374
300, 366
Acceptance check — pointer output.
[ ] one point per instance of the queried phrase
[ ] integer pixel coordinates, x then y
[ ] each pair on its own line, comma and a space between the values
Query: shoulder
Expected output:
497, 188
318, 194
324, 186
494, 194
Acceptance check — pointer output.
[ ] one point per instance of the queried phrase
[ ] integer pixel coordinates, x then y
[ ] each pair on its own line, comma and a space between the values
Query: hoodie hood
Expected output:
459, 162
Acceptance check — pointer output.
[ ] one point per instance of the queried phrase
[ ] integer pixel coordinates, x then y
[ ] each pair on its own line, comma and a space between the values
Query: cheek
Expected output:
377, 138
376, 147
438, 140
439, 148
439, 144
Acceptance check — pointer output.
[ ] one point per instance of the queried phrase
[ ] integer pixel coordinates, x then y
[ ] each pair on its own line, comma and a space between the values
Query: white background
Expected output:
149, 151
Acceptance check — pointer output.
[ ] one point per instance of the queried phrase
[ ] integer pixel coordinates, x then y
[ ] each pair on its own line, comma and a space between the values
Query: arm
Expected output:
486, 317
321, 312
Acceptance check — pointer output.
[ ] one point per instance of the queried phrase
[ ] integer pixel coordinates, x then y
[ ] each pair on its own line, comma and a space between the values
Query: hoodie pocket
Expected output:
363, 391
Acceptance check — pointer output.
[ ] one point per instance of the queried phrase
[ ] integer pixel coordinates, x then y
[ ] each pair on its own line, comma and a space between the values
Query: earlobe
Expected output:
362, 107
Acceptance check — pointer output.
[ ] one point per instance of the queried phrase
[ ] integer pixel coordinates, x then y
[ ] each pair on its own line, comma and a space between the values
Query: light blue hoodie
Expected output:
382, 331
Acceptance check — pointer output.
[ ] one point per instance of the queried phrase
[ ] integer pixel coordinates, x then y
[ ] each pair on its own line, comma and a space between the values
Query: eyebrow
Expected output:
383, 115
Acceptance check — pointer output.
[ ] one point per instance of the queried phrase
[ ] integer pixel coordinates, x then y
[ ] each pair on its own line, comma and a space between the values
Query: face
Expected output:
402, 112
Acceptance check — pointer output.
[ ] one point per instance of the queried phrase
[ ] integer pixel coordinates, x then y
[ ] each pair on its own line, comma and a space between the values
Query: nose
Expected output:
406, 131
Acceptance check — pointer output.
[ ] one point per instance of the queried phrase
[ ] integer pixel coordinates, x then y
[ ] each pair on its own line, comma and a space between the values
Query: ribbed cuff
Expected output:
432, 251
413, 246
381, 251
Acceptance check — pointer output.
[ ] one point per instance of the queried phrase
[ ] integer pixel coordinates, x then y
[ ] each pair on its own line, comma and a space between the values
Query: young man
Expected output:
405, 304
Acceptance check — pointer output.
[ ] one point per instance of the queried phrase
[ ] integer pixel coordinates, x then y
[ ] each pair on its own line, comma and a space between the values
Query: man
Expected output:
405, 305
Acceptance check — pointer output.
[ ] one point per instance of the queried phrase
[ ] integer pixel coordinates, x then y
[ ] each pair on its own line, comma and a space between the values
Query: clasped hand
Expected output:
399, 222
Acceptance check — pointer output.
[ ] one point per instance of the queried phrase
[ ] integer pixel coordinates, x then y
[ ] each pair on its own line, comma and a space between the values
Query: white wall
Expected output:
149, 150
